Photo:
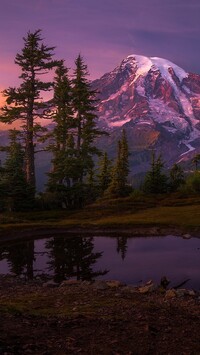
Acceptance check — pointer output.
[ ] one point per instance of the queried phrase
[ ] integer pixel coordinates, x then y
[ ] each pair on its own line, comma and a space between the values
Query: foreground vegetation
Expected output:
123, 213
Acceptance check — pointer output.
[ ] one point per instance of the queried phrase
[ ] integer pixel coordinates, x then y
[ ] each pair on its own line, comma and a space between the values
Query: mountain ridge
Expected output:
154, 100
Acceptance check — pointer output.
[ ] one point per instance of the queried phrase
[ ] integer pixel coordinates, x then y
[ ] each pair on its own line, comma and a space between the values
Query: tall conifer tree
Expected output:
104, 175
176, 175
155, 180
62, 142
84, 103
17, 192
118, 185
25, 103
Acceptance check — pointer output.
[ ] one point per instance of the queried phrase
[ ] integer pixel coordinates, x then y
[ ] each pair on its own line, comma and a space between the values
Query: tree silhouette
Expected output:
24, 104
73, 257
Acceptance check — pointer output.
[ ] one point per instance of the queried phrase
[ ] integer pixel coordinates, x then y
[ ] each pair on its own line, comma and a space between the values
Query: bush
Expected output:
192, 184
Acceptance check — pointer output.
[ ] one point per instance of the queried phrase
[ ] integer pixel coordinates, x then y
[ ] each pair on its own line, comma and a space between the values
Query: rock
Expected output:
150, 282
170, 294
181, 292
187, 236
85, 283
51, 284
146, 289
130, 289
69, 283
191, 293
114, 283
100, 285
154, 231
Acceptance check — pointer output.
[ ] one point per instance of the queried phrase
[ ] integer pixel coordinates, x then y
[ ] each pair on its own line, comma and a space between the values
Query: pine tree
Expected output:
62, 142
124, 158
104, 175
84, 103
2, 187
196, 161
118, 185
17, 191
176, 177
155, 180
25, 102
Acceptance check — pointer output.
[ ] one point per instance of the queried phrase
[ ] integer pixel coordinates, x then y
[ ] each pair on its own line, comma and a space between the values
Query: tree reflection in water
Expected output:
20, 258
73, 257
122, 246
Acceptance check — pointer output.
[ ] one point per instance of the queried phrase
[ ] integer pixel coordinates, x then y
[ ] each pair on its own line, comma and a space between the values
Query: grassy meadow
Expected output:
123, 213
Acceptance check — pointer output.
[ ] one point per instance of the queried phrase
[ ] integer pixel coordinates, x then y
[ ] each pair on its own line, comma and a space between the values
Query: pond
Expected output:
129, 259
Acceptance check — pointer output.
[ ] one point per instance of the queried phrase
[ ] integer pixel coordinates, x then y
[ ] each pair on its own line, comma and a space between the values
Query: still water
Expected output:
131, 260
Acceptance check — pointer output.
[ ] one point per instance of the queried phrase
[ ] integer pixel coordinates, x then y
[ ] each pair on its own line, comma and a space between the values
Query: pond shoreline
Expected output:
22, 233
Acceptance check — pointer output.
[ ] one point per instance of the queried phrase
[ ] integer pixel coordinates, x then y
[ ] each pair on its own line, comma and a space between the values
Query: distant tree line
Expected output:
76, 177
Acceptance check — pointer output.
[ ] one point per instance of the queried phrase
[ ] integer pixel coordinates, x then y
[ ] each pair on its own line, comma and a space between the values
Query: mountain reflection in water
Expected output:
130, 260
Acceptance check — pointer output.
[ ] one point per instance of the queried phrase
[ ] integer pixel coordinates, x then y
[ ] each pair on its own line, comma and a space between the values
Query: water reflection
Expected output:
64, 258
19, 258
122, 246
129, 260
73, 257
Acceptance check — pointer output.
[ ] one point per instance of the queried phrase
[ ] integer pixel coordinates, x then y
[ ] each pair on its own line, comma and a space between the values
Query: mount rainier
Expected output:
158, 104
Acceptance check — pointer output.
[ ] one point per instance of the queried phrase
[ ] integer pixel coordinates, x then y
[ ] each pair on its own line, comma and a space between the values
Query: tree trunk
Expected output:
30, 153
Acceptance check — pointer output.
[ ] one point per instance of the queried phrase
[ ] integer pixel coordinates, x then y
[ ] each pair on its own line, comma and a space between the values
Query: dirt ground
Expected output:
87, 318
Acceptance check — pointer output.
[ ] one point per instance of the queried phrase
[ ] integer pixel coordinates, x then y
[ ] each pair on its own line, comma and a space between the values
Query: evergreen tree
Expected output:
84, 104
104, 175
73, 137
192, 185
196, 161
2, 187
25, 102
124, 158
118, 185
62, 142
176, 177
155, 181
17, 192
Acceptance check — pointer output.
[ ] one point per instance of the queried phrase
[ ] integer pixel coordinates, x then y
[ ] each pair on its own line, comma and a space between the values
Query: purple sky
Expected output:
103, 31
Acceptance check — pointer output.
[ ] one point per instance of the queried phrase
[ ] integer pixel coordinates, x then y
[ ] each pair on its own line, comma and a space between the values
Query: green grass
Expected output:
56, 304
164, 215
120, 213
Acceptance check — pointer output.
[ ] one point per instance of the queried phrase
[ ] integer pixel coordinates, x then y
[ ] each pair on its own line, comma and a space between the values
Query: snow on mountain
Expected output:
155, 95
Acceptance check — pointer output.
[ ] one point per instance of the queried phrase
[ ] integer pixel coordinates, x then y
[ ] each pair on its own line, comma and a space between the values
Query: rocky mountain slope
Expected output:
158, 104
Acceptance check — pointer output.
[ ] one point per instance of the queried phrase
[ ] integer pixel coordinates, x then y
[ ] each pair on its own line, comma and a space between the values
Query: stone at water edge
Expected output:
148, 287
100, 285
170, 294
69, 283
114, 283
187, 236
50, 284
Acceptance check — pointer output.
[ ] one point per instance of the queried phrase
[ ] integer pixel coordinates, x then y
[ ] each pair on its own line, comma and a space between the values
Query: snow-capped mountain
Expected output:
157, 102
